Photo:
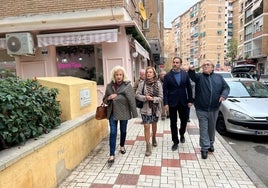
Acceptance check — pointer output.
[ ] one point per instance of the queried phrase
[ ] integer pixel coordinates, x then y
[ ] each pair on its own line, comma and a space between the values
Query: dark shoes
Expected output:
204, 154
182, 139
174, 147
211, 149
111, 160
123, 150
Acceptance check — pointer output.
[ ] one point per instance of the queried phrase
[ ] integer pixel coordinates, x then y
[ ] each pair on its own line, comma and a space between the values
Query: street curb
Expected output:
255, 179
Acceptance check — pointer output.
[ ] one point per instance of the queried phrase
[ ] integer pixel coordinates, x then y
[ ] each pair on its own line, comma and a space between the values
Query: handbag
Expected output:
101, 112
139, 104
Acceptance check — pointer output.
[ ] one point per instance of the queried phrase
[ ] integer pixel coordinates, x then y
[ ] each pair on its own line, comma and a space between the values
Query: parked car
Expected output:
225, 74
264, 79
245, 111
243, 71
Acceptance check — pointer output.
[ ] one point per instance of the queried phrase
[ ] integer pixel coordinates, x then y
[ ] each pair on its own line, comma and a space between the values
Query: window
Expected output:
241, 22
219, 32
7, 69
81, 61
241, 8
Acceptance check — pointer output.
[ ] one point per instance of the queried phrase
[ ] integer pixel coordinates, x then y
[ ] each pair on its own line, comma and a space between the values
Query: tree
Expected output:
232, 50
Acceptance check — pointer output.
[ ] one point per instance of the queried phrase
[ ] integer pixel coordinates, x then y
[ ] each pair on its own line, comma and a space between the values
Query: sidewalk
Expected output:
164, 168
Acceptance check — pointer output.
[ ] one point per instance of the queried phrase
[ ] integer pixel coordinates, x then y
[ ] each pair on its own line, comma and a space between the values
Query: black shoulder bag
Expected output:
139, 104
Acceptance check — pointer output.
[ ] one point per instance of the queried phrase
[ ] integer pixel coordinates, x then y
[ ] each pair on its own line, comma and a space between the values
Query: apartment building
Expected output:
203, 33
253, 33
155, 32
168, 48
206, 28
79, 38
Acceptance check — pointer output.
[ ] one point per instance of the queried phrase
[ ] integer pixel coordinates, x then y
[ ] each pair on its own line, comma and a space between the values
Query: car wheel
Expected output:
220, 125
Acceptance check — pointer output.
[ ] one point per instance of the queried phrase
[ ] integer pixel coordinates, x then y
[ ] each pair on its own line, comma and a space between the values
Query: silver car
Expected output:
246, 109
225, 74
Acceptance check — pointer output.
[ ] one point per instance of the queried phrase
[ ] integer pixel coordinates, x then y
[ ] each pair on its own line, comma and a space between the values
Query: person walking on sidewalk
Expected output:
164, 114
141, 78
177, 92
151, 95
120, 98
210, 91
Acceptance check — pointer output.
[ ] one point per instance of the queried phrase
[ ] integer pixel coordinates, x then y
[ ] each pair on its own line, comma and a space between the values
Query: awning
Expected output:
256, 5
141, 50
77, 38
3, 43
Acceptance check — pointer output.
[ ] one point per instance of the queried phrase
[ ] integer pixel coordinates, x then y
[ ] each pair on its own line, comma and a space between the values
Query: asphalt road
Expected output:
253, 151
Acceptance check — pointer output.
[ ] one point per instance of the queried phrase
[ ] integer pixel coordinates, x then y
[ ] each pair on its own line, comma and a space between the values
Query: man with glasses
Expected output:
210, 90
177, 93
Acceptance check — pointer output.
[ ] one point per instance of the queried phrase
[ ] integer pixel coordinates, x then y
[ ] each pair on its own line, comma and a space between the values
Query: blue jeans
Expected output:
207, 124
113, 133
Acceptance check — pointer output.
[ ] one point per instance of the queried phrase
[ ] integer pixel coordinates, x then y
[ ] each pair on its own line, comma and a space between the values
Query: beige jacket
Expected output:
146, 109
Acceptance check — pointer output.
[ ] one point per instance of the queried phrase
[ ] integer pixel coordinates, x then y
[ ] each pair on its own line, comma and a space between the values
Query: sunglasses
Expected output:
206, 64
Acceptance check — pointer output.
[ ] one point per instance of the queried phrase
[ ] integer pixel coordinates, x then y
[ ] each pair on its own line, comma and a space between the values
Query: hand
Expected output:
221, 99
166, 108
190, 104
191, 67
112, 96
149, 98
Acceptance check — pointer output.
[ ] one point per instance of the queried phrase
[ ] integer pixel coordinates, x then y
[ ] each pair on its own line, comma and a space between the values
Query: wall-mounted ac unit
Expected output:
20, 44
145, 24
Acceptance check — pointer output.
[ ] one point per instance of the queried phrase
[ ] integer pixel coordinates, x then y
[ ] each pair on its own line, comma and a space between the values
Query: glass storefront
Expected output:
81, 61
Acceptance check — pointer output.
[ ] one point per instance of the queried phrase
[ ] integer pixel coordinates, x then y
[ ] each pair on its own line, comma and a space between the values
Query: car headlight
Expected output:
239, 115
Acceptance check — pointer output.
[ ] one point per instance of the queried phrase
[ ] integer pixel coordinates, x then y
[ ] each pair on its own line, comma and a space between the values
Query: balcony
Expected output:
256, 52
248, 2
248, 19
257, 33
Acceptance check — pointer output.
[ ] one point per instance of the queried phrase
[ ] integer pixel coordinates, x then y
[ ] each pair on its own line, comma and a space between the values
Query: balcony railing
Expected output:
257, 33
256, 52
248, 2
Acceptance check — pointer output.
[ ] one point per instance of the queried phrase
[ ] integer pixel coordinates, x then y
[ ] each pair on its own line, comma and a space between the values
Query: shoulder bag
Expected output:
101, 112
139, 104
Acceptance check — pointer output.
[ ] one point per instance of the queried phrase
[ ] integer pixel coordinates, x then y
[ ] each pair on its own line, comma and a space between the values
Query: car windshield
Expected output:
226, 75
247, 89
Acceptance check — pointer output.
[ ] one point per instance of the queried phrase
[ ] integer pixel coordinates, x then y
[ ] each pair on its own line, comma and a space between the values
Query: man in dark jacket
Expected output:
177, 93
210, 90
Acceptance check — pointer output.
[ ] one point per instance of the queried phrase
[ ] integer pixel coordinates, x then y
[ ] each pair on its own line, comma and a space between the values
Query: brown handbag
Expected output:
101, 112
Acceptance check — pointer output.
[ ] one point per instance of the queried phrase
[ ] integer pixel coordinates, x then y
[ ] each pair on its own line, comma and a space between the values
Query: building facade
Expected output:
205, 30
76, 38
253, 35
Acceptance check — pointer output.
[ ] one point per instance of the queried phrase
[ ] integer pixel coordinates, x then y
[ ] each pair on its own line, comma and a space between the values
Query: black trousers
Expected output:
173, 115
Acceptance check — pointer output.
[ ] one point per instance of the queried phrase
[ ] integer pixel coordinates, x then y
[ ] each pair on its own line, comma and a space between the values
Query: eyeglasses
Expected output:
206, 64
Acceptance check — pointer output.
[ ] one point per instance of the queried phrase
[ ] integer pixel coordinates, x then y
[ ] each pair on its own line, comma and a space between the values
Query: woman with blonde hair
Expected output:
120, 98
151, 93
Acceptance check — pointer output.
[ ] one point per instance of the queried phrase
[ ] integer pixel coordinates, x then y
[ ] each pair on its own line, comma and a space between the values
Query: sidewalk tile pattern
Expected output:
165, 168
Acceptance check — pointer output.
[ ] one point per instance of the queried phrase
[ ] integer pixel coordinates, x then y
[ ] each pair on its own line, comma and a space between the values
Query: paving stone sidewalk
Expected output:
165, 168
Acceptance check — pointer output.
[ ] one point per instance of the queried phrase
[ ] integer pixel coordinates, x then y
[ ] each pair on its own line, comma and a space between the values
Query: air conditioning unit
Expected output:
145, 24
20, 44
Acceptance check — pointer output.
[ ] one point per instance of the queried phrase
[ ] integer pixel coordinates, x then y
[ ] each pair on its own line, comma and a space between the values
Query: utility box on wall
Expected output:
77, 96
